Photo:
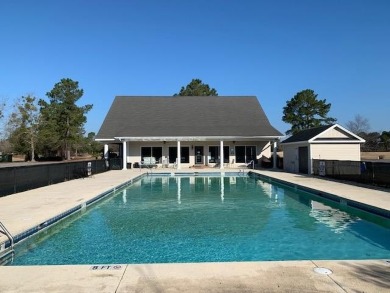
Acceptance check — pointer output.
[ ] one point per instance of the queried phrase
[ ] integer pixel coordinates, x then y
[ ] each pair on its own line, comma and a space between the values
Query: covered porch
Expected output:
184, 152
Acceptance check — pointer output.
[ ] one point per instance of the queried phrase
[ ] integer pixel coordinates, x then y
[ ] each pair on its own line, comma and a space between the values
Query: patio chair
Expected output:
164, 162
175, 164
231, 163
149, 162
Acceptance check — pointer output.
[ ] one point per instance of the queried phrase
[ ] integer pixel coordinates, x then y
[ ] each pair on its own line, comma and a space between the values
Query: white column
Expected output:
275, 155
105, 152
221, 155
178, 159
310, 161
124, 157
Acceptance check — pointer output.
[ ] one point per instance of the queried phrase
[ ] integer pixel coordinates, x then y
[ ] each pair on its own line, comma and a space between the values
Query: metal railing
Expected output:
10, 248
241, 172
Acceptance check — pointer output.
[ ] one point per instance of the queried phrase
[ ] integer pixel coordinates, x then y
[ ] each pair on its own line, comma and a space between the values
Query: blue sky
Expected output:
270, 49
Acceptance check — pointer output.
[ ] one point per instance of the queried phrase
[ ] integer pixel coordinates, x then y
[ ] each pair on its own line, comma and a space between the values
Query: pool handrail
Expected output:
251, 163
4, 230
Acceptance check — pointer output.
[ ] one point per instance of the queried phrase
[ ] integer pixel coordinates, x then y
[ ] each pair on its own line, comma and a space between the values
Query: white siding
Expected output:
134, 149
290, 157
343, 152
263, 149
333, 133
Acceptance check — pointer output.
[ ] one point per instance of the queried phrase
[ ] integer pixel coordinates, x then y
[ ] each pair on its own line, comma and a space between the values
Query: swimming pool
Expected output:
207, 219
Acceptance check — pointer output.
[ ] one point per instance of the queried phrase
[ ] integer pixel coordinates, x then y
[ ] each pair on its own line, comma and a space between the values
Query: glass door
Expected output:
199, 155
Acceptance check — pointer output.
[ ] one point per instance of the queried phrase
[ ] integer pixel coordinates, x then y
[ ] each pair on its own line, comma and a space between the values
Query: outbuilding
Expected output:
329, 142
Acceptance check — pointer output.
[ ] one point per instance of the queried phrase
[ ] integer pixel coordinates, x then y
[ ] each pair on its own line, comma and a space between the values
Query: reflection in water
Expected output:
335, 219
201, 184
178, 181
275, 193
234, 220
222, 189
124, 196
278, 198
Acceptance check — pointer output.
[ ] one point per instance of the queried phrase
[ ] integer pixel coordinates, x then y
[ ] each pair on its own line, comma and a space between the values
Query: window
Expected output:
172, 154
240, 154
184, 153
155, 152
250, 153
215, 155
245, 154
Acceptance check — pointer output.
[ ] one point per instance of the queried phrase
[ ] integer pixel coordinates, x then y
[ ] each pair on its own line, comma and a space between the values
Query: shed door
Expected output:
303, 154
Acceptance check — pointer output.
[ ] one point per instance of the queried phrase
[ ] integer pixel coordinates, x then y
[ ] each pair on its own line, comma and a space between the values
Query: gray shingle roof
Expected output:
178, 116
307, 134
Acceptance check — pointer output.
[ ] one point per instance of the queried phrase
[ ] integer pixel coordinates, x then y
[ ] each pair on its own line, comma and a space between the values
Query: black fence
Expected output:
373, 173
22, 178
115, 163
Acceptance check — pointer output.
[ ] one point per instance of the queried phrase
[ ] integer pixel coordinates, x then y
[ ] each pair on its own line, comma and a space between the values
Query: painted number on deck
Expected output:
102, 268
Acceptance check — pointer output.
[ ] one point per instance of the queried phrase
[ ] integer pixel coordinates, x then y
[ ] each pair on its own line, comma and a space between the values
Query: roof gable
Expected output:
178, 116
327, 133
306, 135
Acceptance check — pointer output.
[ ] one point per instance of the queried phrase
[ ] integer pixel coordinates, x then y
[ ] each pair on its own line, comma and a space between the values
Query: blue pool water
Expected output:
208, 219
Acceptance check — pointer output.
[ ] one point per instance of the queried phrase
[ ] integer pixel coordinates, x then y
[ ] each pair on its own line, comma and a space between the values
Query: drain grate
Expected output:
323, 271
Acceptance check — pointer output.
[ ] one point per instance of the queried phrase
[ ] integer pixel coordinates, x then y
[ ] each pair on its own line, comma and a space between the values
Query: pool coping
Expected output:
282, 276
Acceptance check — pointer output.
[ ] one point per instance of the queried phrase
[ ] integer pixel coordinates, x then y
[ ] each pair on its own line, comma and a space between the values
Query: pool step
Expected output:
6, 256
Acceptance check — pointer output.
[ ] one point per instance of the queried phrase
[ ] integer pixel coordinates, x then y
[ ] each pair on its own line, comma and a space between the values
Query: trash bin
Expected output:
128, 165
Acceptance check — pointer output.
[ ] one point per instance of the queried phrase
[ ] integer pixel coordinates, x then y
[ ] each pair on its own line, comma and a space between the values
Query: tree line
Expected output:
56, 127
304, 111
42, 129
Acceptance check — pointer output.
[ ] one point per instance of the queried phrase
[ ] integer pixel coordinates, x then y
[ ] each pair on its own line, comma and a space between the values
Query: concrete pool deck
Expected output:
22, 211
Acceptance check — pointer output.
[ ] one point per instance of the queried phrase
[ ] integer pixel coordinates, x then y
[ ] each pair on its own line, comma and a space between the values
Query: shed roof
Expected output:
184, 116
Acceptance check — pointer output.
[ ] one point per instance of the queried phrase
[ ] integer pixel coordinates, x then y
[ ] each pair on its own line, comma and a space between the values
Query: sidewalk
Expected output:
21, 211
379, 199
298, 276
